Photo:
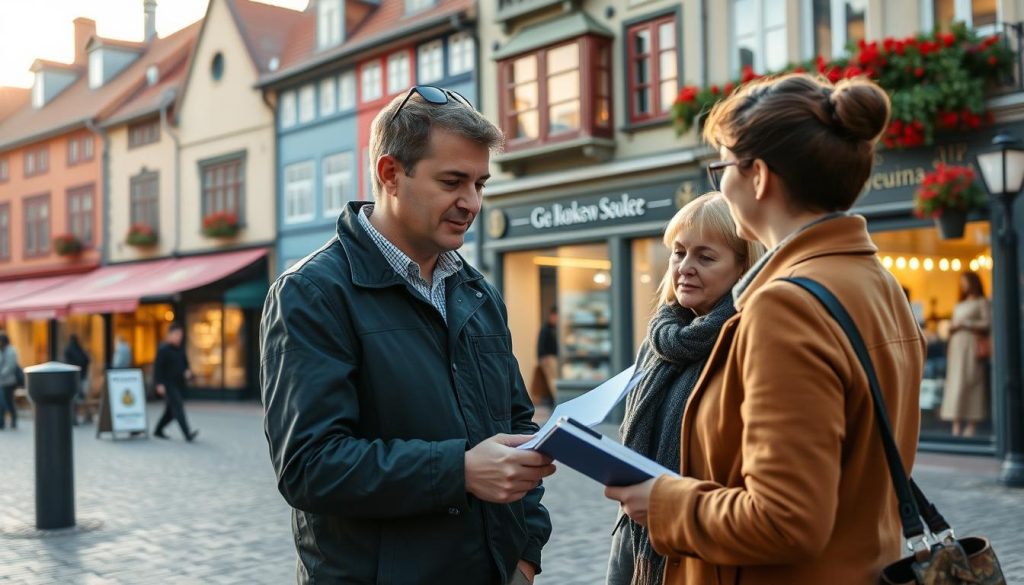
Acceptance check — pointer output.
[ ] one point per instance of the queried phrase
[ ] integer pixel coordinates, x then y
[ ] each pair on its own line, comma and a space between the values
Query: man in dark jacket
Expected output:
170, 374
393, 401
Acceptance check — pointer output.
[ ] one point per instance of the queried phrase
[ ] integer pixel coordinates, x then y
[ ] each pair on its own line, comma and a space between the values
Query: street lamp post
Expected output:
1002, 170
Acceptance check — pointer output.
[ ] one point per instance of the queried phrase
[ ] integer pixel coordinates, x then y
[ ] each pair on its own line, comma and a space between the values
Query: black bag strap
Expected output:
912, 501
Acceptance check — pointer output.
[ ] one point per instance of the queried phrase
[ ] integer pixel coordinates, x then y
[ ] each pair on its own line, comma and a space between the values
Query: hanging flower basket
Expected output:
67, 245
141, 235
947, 195
936, 82
221, 225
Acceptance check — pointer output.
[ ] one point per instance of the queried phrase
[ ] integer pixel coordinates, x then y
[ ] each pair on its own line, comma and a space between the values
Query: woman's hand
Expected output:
635, 499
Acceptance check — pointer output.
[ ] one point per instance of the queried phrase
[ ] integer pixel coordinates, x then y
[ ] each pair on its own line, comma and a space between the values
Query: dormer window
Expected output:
95, 69
328, 23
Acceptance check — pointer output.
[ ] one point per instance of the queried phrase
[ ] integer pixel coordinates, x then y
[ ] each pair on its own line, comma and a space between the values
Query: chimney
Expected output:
85, 29
149, 8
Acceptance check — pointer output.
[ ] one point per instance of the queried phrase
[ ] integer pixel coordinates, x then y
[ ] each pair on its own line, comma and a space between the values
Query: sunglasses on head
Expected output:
434, 95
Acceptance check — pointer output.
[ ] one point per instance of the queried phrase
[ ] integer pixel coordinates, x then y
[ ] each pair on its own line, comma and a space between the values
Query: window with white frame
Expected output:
298, 192
982, 15
835, 25
307, 103
430, 62
338, 182
371, 80
327, 96
328, 23
759, 35
347, 90
398, 72
80, 214
287, 109
461, 58
417, 5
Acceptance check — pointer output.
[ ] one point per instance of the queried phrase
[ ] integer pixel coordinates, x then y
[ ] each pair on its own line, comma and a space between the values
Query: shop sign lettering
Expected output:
606, 208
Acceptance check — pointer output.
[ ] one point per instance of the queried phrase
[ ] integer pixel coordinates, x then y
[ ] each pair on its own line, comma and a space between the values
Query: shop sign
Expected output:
655, 202
897, 174
127, 399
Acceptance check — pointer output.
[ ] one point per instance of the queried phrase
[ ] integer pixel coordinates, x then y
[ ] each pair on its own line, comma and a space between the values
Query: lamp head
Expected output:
1002, 168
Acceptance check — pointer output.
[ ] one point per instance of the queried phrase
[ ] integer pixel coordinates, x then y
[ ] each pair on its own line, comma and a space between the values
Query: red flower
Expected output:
748, 74
715, 90
993, 60
948, 39
819, 62
919, 72
799, 69
729, 87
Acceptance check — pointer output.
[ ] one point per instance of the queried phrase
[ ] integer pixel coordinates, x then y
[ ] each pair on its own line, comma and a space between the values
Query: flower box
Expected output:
67, 245
220, 225
141, 235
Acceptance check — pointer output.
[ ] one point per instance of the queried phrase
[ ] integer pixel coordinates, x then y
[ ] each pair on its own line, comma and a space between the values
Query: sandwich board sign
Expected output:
124, 405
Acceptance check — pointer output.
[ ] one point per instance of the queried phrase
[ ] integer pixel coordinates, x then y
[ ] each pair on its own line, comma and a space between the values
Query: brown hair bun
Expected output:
861, 108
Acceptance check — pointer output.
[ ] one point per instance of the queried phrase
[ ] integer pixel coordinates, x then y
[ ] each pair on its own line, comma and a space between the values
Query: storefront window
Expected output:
31, 339
144, 330
216, 345
650, 261
956, 392
576, 279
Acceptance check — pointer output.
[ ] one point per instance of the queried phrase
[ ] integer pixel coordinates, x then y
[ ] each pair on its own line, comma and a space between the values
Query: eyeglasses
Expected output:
434, 95
717, 169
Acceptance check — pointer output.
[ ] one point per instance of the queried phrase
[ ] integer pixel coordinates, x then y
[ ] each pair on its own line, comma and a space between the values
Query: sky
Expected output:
43, 29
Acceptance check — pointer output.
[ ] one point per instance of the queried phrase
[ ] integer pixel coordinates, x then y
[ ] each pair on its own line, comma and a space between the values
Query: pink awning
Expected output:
14, 290
170, 277
119, 288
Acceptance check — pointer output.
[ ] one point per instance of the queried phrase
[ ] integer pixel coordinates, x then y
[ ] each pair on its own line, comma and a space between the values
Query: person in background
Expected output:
122, 354
171, 374
694, 301
8, 380
75, 355
965, 394
547, 357
783, 478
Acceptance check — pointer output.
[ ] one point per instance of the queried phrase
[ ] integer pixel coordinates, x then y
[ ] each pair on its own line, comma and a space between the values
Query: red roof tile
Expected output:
265, 29
12, 99
388, 18
79, 103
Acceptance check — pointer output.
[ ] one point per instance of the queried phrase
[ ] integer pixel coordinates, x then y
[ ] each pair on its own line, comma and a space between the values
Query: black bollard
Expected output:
51, 386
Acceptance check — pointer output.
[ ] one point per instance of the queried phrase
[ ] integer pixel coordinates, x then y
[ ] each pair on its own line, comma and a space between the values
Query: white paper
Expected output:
590, 408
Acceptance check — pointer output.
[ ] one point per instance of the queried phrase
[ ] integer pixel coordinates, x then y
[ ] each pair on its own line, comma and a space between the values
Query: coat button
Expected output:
479, 295
453, 511
455, 368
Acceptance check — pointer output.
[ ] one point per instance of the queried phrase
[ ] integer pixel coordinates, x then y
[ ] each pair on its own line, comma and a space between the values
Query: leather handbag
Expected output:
982, 346
939, 557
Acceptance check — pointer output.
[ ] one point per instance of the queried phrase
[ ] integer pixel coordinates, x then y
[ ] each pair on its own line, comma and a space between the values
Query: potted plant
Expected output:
223, 224
947, 195
141, 235
67, 245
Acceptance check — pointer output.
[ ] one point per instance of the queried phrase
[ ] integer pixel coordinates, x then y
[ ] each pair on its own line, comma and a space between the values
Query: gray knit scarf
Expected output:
677, 346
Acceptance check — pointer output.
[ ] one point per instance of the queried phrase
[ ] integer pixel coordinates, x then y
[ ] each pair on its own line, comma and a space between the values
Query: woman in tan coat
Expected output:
964, 396
784, 479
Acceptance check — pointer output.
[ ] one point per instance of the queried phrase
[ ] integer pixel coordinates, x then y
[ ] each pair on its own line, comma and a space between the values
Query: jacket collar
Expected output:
368, 265
839, 236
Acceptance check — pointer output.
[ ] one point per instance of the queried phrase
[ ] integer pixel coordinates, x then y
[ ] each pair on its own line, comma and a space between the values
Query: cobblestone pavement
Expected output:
154, 511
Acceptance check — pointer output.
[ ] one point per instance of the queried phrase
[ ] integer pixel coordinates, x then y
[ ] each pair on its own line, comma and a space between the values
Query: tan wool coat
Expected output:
784, 476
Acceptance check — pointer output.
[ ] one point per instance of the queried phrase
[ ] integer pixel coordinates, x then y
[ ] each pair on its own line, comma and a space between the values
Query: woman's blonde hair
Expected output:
709, 215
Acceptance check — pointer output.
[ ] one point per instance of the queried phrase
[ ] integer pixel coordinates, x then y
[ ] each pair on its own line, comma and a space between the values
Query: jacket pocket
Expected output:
493, 358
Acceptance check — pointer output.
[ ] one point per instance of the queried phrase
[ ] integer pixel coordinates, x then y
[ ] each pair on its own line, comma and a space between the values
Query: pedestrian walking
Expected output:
783, 473
388, 378
171, 374
543, 391
9, 373
122, 354
694, 301
75, 355
965, 393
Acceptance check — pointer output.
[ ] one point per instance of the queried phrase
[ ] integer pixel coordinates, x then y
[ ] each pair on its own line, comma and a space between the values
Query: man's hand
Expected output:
527, 570
635, 499
497, 472
160, 390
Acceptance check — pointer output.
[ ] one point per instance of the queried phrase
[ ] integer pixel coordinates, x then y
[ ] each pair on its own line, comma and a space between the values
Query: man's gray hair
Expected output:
407, 137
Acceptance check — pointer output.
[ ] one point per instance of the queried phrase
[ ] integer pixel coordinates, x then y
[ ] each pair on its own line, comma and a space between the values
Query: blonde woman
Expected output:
694, 301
